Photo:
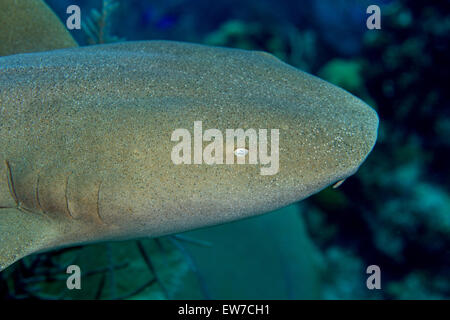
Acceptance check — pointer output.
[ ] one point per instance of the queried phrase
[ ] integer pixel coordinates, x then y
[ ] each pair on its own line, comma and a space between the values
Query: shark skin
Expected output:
31, 26
86, 140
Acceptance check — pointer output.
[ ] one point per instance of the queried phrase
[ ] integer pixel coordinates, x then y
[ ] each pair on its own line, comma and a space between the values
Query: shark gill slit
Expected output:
98, 202
12, 189
38, 200
66, 198
10, 180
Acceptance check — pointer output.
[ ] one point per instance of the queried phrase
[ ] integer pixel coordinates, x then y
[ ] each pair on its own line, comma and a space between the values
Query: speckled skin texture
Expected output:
85, 136
30, 26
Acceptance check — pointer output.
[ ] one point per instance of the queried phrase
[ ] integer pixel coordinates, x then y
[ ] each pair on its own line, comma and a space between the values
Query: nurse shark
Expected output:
86, 135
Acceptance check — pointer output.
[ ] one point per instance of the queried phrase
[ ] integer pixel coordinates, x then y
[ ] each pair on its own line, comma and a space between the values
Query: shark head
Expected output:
181, 136
156, 137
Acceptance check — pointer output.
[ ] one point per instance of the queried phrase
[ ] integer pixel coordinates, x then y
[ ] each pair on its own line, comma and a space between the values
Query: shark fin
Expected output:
23, 233
31, 26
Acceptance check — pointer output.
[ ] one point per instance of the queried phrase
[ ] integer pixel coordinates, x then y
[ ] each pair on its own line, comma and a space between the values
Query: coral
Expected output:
97, 25
397, 206
346, 276
417, 285
298, 47
150, 269
344, 73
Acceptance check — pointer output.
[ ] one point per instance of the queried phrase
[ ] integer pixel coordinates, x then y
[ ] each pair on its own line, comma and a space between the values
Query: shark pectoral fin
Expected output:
23, 233
31, 26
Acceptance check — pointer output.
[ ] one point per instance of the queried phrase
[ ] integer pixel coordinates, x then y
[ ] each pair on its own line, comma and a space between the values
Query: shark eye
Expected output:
241, 152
